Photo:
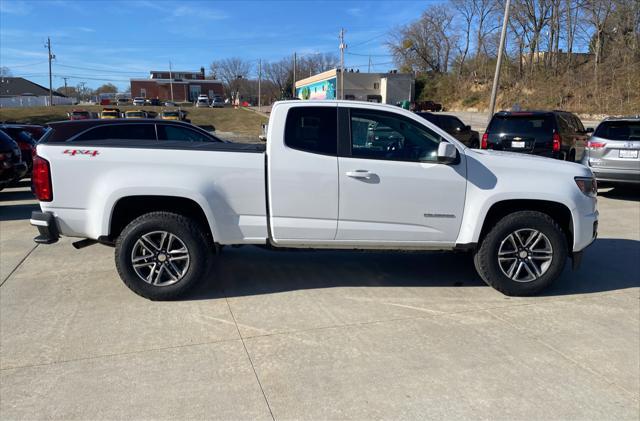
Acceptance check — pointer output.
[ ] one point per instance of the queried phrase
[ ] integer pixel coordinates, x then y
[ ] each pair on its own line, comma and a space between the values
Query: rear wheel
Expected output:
161, 255
522, 254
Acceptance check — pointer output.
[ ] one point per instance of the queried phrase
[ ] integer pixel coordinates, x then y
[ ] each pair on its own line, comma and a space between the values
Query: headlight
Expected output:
587, 185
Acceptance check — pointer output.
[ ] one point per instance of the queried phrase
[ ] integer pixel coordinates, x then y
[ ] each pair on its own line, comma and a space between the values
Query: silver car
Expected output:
613, 151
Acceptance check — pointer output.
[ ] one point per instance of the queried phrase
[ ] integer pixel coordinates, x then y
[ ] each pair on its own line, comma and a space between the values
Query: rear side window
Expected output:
521, 124
312, 129
619, 130
120, 131
430, 117
183, 134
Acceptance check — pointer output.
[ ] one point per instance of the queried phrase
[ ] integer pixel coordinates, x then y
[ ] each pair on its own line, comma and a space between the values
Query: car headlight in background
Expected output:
587, 185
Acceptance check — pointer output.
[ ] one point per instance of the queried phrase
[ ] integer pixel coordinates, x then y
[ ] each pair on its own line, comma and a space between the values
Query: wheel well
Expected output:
559, 212
129, 208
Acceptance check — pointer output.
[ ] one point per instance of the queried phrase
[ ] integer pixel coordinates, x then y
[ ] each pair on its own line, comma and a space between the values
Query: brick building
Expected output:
186, 86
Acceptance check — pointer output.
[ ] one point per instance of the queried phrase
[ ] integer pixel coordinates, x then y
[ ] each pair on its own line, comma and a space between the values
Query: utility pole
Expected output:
342, 47
496, 77
295, 59
51, 57
171, 81
81, 90
66, 93
259, 84
369, 68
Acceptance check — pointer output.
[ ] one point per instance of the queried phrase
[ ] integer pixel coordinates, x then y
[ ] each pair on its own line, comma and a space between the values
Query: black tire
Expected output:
183, 228
486, 256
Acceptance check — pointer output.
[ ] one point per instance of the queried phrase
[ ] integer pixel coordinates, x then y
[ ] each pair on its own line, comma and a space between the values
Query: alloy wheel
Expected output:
160, 258
525, 255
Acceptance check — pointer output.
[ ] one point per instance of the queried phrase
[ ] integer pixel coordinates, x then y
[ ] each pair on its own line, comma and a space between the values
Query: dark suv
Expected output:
554, 134
455, 127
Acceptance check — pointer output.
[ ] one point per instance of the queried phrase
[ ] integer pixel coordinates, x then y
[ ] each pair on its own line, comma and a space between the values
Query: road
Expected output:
318, 335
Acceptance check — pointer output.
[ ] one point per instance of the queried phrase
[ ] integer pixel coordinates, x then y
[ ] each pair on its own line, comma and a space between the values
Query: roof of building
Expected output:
18, 86
176, 81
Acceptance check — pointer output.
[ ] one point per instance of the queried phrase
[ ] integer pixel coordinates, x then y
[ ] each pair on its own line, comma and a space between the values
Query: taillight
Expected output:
41, 179
485, 141
594, 144
556, 142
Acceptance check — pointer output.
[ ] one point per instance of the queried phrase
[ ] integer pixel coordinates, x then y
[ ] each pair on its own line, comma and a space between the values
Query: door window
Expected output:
120, 131
312, 129
381, 135
168, 132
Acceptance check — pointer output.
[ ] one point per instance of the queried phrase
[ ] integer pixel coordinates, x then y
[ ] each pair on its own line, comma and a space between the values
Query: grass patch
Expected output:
239, 121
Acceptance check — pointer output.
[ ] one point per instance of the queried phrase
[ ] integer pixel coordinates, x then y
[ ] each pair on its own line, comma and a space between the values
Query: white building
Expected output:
387, 88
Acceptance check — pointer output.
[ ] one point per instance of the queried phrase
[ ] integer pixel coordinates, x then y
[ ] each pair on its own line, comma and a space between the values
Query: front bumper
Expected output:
47, 228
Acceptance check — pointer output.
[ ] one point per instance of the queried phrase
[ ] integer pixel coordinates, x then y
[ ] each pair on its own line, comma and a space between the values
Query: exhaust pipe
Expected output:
84, 243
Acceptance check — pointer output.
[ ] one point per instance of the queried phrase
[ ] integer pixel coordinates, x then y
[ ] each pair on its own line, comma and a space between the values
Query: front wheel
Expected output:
161, 255
522, 254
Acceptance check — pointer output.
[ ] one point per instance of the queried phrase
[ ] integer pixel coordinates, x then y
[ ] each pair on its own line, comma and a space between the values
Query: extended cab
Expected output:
325, 179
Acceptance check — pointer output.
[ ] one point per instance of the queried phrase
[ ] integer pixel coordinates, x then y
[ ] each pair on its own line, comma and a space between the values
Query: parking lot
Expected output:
318, 335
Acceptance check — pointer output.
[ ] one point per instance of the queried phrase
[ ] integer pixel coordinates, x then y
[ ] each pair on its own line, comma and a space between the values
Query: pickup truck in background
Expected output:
333, 174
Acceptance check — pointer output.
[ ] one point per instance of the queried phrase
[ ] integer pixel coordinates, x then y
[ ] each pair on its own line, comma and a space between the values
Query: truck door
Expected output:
392, 189
303, 174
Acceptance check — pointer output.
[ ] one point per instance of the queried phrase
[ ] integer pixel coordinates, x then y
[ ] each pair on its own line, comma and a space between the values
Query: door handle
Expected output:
359, 174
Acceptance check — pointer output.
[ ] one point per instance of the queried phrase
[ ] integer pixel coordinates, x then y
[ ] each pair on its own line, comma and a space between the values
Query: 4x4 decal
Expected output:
74, 152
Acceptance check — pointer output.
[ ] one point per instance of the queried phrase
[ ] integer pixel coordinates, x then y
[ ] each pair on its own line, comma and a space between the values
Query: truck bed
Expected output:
227, 180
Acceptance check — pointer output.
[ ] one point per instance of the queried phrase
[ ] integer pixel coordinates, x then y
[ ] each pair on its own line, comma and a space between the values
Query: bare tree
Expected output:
5, 72
426, 44
467, 9
280, 73
232, 71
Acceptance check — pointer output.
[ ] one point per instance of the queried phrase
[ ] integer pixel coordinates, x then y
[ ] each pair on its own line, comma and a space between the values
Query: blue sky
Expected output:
115, 40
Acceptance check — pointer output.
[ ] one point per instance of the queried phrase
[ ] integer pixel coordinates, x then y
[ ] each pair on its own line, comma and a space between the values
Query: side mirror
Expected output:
467, 128
447, 153
588, 130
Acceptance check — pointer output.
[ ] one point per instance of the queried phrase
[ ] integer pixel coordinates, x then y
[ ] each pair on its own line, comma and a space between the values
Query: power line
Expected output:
370, 55
369, 40
102, 69
27, 64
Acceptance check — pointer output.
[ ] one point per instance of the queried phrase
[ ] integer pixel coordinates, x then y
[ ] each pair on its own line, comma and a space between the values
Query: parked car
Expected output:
135, 114
202, 102
138, 101
455, 127
170, 104
520, 216
428, 106
153, 101
110, 113
12, 167
24, 139
217, 102
554, 134
79, 115
613, 151
179, 115
123, 101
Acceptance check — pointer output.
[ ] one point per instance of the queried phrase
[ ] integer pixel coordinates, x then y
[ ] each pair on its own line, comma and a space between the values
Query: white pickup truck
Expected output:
333, 174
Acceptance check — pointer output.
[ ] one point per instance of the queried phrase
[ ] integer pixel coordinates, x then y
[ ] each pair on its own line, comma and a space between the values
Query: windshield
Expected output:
80, 113
110, 113
619, 130
135, 114
170, 114
541, 124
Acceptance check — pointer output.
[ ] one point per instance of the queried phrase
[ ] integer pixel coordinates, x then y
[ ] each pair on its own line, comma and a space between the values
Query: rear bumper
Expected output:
616, 176
47, 228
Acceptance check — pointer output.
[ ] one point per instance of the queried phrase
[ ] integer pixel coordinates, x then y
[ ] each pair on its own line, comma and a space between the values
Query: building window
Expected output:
376, 85
143, 92
350, 97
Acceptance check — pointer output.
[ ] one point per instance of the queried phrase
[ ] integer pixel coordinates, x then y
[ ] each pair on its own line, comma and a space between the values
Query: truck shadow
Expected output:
609, 264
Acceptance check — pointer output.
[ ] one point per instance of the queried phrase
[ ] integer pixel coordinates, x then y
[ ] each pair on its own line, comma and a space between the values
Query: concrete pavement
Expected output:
318, 335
